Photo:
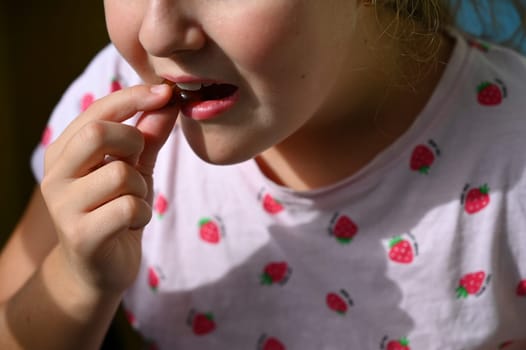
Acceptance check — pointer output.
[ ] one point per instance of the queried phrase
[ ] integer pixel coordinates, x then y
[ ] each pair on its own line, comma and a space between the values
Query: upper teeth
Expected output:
189, 86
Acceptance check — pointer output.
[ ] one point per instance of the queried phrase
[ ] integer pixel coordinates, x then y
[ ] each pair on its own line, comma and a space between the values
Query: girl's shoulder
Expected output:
504, 60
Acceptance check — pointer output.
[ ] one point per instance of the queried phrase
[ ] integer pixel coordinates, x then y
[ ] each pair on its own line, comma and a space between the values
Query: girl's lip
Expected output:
203, 110
210, 109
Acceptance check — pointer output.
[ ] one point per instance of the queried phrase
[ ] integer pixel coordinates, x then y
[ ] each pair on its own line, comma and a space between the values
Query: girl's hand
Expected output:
98, 184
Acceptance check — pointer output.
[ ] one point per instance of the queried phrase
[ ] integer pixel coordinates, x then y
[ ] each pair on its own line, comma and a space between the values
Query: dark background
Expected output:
44, 45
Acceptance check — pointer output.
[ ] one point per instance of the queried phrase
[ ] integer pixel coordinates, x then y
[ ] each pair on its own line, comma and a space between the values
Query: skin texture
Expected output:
322, 72
91, 239
321, 85
213, 40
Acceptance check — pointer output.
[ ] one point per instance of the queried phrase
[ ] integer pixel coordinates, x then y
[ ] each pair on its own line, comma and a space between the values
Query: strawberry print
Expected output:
476, 199
86, 101
491, 93
130, 317
482, 46
401, 250
47, 135
160, 205
155, 276
400, 344
272, 343
471, 284
275, 272
338, 302
421, 159
266, 342
343, 228
115, 85
201, 323
271, 205
521, 289
505, 344
210, 230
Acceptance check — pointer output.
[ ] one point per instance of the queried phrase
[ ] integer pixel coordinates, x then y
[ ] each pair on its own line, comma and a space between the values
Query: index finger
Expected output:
121, 105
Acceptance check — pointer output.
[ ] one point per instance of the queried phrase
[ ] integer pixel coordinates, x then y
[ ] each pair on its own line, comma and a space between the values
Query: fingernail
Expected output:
158, 89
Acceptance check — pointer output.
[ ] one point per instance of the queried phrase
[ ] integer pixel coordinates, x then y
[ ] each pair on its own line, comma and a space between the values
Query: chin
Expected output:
216, 153
221, 158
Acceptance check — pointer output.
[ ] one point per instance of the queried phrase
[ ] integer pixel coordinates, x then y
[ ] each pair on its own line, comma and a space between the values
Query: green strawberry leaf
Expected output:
424, 170
483, 86
344, 240
204, 221
484, 189
462, 292
404, 341
394, 241
266, 279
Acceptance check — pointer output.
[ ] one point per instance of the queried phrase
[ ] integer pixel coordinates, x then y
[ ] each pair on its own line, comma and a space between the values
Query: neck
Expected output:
321, 154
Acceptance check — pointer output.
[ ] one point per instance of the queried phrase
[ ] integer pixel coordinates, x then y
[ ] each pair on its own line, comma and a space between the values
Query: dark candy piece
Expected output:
182, 97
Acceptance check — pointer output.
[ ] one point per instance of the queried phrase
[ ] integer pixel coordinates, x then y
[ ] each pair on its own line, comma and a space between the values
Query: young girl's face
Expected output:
290, 60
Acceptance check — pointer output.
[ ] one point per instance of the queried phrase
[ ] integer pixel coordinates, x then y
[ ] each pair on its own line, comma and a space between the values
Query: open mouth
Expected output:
185, 93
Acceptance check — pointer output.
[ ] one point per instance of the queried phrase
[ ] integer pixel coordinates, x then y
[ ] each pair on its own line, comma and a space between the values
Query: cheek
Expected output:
269, 46
259, 38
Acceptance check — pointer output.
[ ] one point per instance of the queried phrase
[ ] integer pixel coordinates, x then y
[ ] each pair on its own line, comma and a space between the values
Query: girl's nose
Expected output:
167, 30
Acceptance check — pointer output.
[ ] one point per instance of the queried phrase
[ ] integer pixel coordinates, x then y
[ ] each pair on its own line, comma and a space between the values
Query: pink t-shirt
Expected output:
424, 248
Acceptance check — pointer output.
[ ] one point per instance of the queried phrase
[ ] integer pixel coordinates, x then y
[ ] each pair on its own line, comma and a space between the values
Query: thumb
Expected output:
155, 126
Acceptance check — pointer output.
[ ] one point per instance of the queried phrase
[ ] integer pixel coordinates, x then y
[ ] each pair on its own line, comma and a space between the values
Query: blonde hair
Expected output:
417, 26
426, 18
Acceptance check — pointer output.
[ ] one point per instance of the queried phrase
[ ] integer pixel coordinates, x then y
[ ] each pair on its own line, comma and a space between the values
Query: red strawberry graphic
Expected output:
505, 344
154, 278
209, 230
401, 344
337, 302
482, 46
422, 159
477, 199
521, 288
400, 250
344, 229
203, 323
471, 284
275, 272
160, 205
273, 344
86, 101
115, 85
46, 136
271, 205
489, 94
131, 318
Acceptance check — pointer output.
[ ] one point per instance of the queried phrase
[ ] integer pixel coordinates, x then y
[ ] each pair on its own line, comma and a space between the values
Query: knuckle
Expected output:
132, 93
134, 211
129, 208
119, 174
93, 133
143, 187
